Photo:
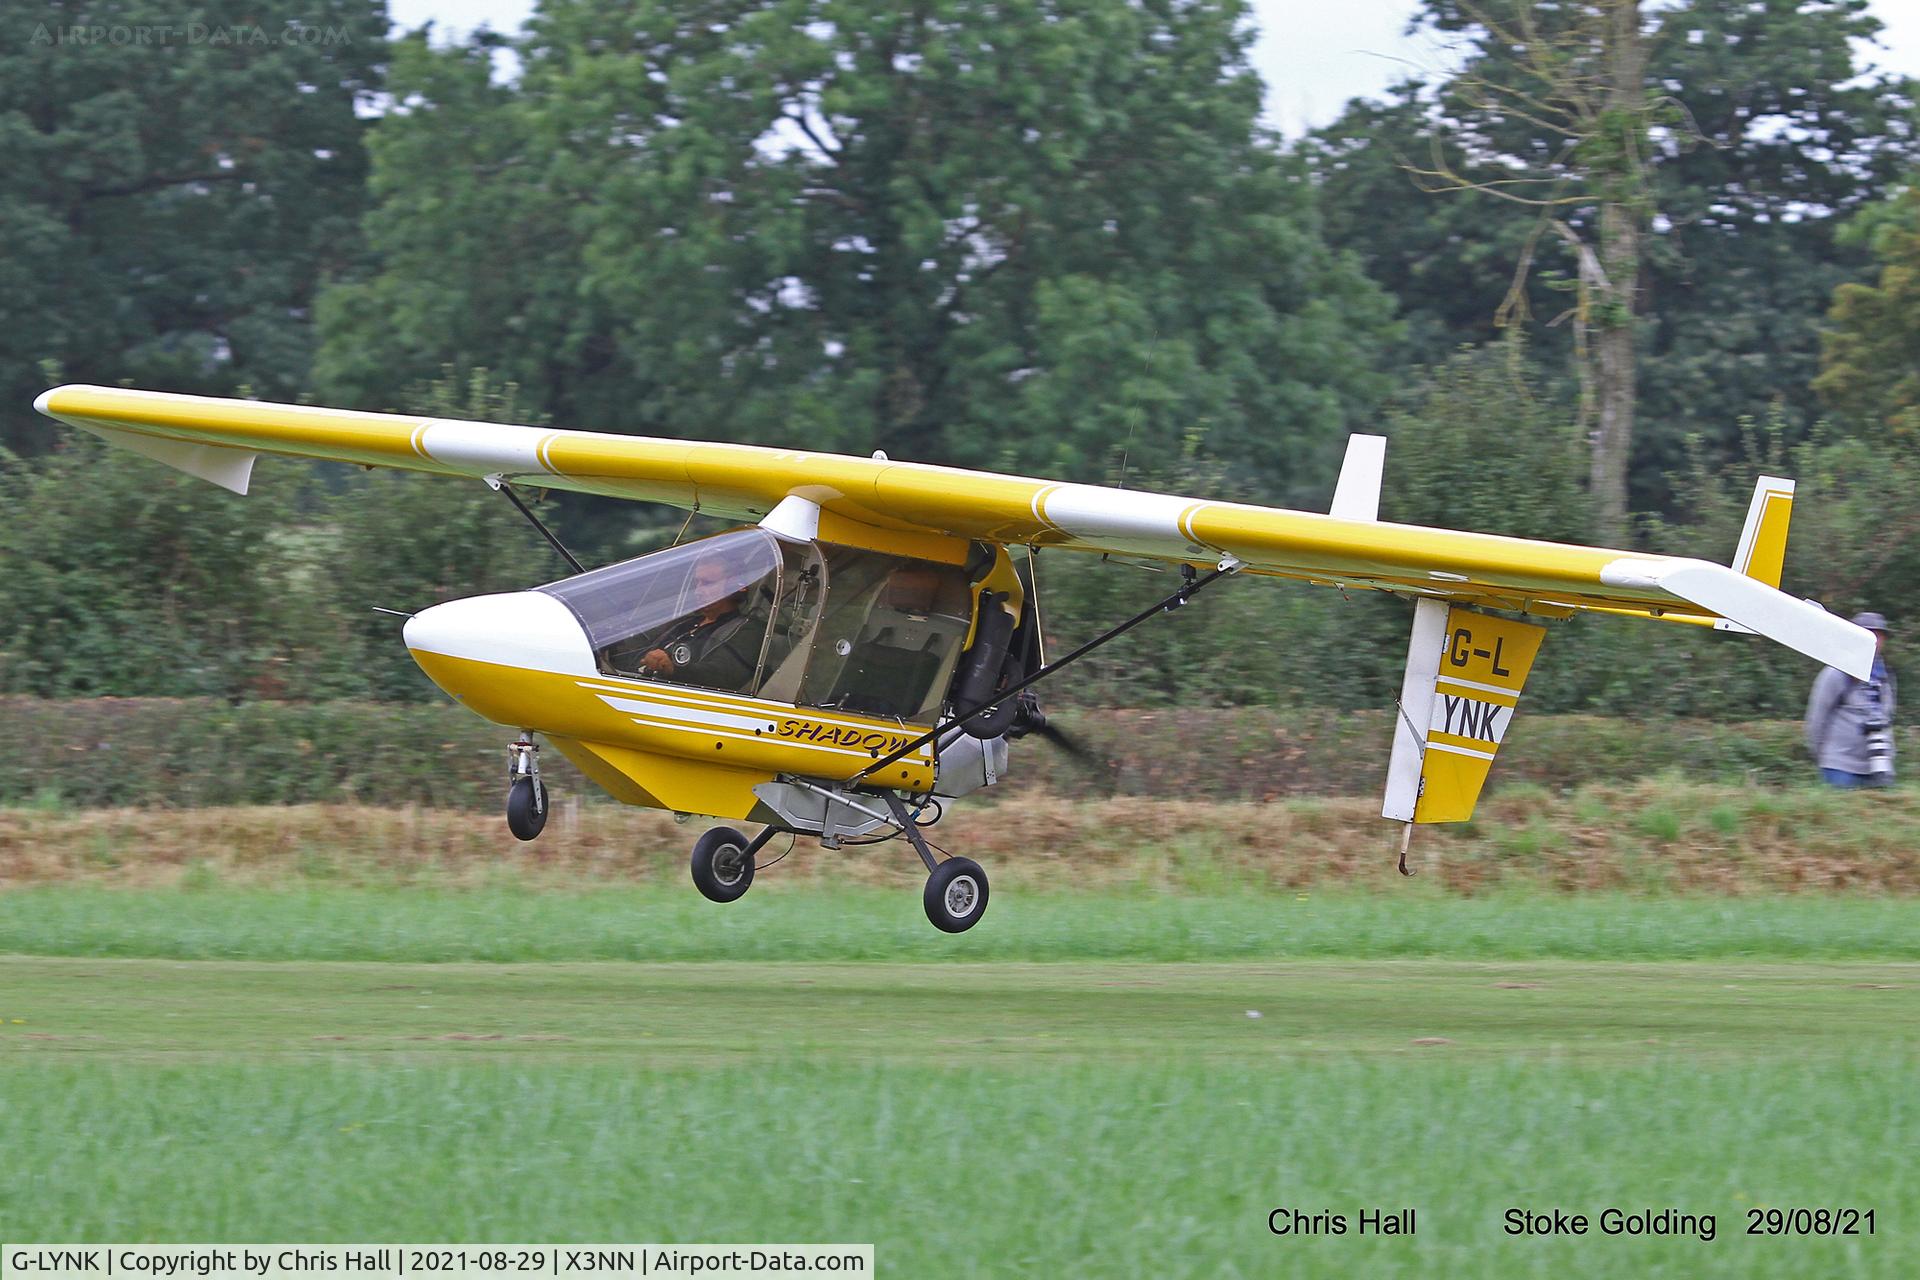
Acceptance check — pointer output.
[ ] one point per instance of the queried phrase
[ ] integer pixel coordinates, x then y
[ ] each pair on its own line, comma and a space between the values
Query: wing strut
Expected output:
1188, 586
500, 483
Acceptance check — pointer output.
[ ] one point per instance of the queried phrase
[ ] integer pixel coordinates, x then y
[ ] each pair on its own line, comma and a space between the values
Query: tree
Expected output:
1038, 235
1870, 369
473, 220
172, 204
1573, 77
1794, 134
1475, 445
1446, 262
1767, 132
123, 577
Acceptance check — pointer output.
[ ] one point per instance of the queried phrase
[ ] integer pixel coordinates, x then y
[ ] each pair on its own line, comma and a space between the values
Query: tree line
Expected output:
1590, 277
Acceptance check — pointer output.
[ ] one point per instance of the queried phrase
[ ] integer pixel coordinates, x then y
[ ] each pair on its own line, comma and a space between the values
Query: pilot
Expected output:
707, 647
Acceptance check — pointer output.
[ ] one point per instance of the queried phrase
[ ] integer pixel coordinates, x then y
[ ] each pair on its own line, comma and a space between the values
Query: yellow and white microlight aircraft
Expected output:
864, 643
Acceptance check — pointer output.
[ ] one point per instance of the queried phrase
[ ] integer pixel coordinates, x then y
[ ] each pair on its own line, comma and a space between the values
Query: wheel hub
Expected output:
962, 894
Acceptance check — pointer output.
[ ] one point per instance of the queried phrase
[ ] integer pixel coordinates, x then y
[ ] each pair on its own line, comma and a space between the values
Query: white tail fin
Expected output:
1356, 496
1762, 552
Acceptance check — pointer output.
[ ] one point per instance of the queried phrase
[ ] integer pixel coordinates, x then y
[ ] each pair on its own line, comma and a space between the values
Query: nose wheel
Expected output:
526, 794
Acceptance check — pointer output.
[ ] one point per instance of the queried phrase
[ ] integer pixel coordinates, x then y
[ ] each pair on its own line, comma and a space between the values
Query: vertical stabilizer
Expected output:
1465, 671
1356, 496
1762, 552
1763, 541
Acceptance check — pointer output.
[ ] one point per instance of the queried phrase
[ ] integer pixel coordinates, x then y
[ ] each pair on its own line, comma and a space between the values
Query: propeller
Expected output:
1033, 722
1072, 746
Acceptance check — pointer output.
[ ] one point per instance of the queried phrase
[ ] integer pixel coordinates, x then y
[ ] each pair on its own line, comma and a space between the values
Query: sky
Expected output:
1313, 54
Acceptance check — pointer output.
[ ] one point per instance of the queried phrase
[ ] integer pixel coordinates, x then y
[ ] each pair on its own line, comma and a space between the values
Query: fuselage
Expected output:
679, 685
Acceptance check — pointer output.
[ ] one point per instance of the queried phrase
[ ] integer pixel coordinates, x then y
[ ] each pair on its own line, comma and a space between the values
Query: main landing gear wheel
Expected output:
723, 864
527, 807
956, 895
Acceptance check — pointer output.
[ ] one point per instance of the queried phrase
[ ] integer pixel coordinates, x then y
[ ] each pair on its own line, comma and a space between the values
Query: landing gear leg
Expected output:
907, 824
956, 894
526, 794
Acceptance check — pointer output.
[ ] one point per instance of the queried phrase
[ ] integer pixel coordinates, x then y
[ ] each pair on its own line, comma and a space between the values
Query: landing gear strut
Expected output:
526, 794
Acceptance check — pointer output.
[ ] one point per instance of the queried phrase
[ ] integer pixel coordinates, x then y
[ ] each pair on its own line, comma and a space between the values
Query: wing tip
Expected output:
1860, 661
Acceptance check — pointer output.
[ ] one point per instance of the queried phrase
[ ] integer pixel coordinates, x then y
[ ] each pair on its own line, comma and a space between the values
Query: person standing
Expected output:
1850, 722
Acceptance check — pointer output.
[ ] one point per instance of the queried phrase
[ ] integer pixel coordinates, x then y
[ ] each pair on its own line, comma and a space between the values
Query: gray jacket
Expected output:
1838, 713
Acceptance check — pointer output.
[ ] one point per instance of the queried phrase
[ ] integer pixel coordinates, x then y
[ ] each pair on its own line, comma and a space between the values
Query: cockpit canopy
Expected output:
813, 624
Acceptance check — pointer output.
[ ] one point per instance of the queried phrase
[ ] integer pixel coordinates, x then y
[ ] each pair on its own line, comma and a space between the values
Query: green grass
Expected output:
1060, 1120
783, 922
1075, 1088
710, 1014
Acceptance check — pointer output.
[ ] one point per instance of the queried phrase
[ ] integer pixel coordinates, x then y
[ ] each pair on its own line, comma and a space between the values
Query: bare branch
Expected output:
830, 154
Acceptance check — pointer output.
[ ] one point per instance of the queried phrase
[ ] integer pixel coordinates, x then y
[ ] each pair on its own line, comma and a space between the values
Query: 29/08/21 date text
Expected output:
1809, 1222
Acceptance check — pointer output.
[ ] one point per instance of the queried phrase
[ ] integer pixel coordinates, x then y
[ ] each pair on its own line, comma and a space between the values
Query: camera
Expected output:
1879, 747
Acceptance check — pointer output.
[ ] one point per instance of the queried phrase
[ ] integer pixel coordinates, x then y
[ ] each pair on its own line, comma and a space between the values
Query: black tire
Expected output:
956, 895
527, 808
722, 868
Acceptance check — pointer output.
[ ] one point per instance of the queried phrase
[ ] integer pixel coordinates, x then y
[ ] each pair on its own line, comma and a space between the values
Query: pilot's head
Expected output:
710, 577
717, 586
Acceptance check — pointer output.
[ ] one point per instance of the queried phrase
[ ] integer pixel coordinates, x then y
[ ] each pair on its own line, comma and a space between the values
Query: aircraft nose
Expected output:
525, 629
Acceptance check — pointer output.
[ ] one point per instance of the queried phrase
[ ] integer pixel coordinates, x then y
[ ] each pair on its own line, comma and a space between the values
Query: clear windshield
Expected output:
694, 615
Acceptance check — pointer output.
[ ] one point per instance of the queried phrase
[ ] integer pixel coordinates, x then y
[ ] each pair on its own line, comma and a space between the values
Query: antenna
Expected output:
1133, 416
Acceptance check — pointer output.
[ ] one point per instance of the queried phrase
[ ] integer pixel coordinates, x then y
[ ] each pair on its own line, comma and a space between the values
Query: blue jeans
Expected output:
1841, 778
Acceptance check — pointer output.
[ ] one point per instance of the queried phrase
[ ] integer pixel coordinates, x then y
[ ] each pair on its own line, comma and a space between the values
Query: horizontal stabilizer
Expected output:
1801, 625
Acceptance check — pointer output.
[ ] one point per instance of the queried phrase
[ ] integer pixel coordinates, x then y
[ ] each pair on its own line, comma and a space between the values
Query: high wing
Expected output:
217, 439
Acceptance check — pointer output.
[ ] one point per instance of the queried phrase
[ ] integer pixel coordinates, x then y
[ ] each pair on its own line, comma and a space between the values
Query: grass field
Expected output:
779, 924
1096, 1120
326, 1037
